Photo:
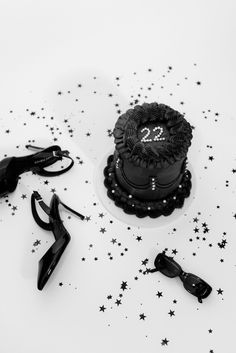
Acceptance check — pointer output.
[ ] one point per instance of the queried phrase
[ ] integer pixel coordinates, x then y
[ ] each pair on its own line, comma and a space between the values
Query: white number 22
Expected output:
156, 137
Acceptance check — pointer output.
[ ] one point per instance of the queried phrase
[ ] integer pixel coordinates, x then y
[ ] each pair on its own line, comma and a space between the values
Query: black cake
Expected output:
147, 173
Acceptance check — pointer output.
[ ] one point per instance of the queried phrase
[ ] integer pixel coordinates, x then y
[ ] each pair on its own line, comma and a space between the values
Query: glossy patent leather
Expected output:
62, 238
12, 167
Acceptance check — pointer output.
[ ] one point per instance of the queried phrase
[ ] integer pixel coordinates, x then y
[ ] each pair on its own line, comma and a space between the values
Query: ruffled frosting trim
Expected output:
130, 147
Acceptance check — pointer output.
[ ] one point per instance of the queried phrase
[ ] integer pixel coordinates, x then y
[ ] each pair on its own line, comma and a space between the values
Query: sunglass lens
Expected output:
167, 266
196, 286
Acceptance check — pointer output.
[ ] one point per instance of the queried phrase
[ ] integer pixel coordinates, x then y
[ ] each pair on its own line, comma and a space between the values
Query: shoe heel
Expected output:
33, 148
72, 211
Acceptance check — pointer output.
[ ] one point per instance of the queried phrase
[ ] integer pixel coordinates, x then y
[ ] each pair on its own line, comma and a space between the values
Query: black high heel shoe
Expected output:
12, 167
50, 259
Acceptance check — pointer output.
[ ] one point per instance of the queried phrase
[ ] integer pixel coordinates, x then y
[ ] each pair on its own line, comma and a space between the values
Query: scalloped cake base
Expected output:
117, 213
140, 208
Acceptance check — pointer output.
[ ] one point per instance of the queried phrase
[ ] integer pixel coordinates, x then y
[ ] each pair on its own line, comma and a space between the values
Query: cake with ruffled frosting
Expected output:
147, 174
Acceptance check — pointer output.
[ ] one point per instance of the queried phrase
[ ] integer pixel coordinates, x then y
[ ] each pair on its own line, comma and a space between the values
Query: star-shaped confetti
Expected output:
37, 242
142, 317
164, 342
220, 291
123, 285
102, 308
118, 302
171, 313
144, 262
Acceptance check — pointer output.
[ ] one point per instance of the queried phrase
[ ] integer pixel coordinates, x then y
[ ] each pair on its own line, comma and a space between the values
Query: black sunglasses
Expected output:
12, 167
192, 283
62, 238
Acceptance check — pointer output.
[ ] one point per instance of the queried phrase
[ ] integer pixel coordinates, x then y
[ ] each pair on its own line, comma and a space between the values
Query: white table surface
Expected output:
86, 51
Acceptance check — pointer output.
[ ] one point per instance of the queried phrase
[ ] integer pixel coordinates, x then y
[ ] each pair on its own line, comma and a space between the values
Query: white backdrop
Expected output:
68, 69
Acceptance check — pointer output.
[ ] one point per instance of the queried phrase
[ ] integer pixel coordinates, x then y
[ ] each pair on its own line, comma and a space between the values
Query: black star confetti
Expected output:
164, 342
142, 317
